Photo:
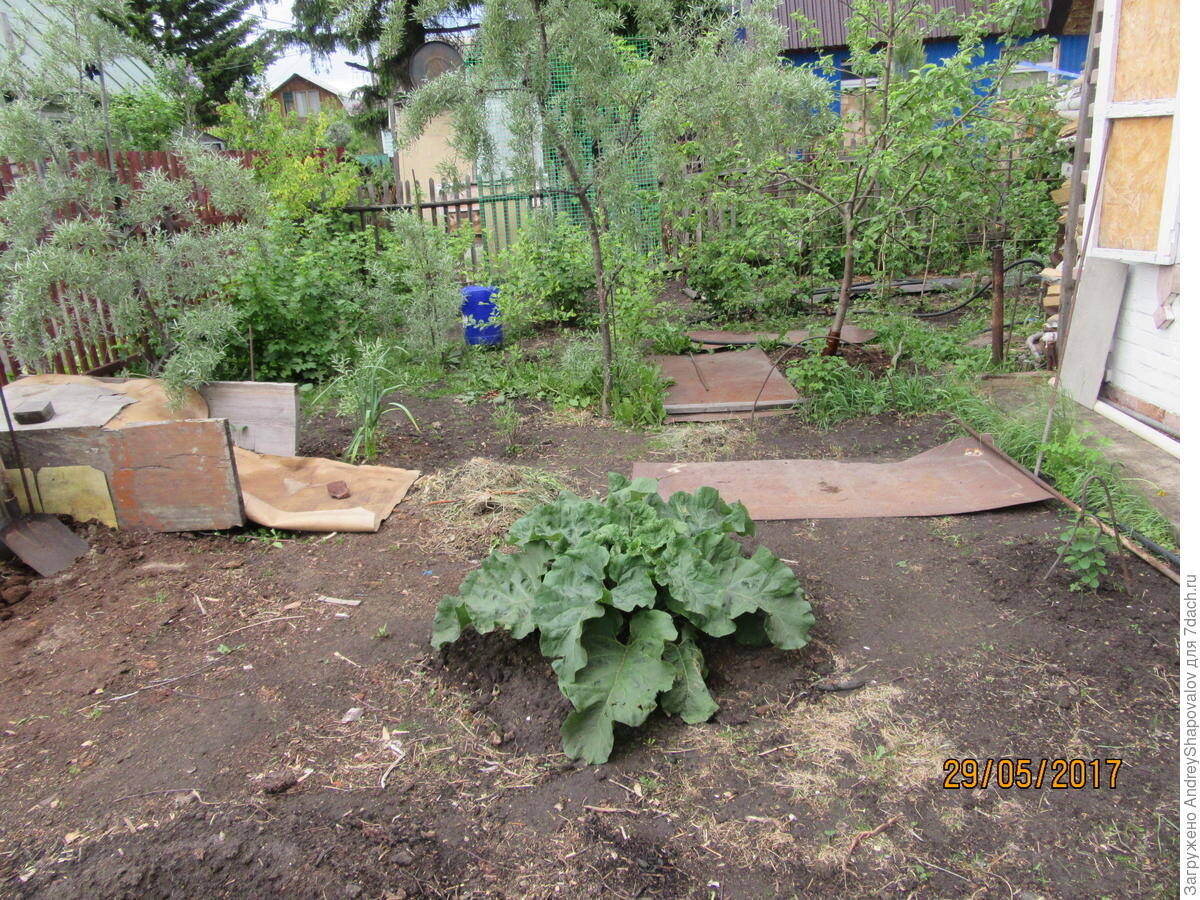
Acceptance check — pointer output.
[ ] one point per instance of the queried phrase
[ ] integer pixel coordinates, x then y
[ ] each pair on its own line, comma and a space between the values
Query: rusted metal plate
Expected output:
717, 417
43, 543
175, 476
746, 338
963, 476
724, 382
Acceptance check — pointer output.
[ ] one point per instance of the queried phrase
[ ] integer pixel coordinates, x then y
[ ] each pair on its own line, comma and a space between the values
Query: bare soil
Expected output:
182, 717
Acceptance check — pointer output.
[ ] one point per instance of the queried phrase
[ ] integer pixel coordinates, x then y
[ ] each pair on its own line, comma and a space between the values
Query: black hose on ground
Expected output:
983, 289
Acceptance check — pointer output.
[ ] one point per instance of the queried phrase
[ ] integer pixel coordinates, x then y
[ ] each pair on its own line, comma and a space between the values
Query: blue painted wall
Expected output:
1073, 49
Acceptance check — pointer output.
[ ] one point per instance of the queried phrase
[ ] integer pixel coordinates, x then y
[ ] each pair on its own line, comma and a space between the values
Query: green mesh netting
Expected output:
506, 203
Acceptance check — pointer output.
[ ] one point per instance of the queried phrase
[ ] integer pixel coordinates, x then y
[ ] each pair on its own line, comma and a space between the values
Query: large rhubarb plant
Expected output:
618, 591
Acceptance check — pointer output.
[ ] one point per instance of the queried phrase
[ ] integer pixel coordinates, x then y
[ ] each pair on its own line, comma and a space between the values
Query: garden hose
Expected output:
983, 289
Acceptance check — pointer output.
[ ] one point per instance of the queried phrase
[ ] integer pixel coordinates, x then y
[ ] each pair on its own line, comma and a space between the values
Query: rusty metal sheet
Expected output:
724, 416
746, 338
724, 382
965, 475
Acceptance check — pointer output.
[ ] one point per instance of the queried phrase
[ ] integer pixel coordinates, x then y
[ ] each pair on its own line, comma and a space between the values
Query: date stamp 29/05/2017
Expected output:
1029, 774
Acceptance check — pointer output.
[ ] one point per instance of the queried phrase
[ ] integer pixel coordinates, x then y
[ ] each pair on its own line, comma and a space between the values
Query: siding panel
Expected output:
1144, 360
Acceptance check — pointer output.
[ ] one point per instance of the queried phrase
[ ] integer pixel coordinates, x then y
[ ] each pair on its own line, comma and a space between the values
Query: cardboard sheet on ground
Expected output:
962, 476
290, 492
724, 382
123, 456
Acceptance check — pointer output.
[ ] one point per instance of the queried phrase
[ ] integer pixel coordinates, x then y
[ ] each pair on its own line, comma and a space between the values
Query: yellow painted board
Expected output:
80, 492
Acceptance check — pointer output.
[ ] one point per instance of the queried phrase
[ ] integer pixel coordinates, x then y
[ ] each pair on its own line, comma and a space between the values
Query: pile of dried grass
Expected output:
486, 496
702, 441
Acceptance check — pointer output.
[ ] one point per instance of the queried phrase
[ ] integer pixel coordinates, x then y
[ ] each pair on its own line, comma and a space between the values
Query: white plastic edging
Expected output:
1141, 429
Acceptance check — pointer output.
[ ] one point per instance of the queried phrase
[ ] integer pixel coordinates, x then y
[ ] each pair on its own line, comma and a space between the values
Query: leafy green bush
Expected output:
300, 162
619, 590
638, 386
1083, 551
303, 291
145, 118
545, 275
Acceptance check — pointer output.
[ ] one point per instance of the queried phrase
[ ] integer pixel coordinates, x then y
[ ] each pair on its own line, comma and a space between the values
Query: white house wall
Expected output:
1144, 359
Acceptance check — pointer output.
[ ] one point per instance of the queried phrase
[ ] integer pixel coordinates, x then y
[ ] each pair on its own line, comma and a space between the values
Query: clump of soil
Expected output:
515, 686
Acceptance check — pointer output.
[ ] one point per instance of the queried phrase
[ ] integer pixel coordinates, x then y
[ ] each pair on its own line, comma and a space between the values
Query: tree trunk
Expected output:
834, 340
997, 303
602, 308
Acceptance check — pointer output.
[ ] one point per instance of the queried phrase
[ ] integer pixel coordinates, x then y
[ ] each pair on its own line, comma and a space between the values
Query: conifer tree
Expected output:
215, 37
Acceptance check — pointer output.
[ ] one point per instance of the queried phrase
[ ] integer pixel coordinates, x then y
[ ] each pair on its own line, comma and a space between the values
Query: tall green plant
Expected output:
569, 89
360, 389
418, 283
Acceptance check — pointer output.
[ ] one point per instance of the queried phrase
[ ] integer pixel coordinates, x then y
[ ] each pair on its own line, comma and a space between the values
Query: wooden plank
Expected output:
175, 476
1093, 322
263, 416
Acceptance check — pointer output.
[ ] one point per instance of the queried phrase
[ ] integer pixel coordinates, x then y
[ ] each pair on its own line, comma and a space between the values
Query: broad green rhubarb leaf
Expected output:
500, 593
705, 511
688, 698
764, 582
632, 587
561, 524
571, 594
620, 683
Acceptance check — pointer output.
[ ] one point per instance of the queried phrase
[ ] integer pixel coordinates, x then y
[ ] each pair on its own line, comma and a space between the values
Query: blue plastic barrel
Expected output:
481, 317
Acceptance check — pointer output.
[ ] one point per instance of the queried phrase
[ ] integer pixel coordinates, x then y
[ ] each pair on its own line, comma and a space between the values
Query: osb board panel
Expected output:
959, 477
1135, 178
1147, 66
175, 476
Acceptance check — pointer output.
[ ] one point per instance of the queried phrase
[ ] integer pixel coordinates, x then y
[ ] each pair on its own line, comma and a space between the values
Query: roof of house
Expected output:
311, 79
829, 16
24, 25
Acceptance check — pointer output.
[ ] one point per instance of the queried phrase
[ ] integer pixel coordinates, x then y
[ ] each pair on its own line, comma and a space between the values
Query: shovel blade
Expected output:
43, 543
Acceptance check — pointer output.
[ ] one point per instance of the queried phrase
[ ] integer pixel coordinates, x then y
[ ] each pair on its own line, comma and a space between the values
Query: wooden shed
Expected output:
303, 95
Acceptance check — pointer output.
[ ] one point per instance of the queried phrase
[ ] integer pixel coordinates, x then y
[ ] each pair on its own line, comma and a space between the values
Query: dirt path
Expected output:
173, 715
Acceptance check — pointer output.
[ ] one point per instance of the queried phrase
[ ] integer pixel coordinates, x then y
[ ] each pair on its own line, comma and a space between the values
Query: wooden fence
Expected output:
495, 211
92, 347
